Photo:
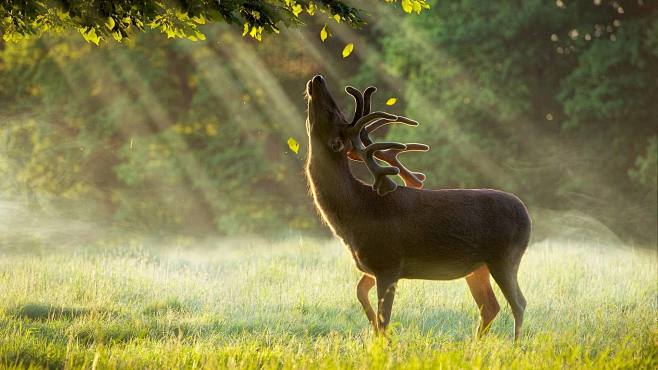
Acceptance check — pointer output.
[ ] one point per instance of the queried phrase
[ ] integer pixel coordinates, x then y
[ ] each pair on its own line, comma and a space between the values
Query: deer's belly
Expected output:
436, 270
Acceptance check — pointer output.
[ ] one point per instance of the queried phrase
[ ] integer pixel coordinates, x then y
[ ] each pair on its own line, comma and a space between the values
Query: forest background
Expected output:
553, 102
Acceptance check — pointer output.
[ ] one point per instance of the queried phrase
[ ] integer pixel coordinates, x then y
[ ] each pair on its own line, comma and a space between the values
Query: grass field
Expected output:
293, 305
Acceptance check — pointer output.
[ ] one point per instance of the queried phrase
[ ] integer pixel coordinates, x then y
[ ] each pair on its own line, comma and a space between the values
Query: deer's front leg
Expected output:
362, 289
385, 295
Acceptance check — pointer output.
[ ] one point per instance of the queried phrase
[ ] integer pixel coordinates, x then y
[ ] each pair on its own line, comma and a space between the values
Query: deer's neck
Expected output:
337, 194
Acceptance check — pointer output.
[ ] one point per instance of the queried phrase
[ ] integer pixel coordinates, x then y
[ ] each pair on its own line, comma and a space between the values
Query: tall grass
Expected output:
293, 305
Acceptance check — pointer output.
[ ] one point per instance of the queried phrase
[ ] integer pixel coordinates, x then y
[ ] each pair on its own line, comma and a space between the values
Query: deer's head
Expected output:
325, 123
327, 127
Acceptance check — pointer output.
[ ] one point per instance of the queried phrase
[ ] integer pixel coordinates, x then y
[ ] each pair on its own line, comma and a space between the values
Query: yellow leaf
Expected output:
391, 101
257, 33
199, 35
200, 19
311, 8
337, 18
90, 35
407, 6
296, 9
246, 29
323, 33
348, 50
293, 145
110, 23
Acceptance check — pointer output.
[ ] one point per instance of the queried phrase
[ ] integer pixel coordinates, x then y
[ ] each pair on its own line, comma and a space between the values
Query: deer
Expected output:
398, 232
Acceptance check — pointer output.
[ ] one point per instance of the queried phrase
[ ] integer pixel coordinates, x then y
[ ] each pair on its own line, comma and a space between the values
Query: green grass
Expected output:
293, 305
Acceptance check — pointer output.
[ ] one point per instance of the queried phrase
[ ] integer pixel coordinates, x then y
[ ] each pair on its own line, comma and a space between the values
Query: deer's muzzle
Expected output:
317, 88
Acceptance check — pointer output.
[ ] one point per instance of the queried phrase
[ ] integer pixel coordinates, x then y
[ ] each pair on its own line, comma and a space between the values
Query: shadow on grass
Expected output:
39, 311
155, 322
319, 322
168, 305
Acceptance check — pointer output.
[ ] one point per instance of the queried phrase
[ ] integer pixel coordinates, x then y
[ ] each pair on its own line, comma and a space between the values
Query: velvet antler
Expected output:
358, 132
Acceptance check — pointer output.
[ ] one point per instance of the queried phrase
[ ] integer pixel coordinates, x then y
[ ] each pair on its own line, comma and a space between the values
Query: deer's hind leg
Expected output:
479, 284
505, 275
366, 283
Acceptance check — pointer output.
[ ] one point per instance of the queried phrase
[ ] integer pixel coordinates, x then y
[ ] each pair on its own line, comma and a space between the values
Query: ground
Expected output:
247, 304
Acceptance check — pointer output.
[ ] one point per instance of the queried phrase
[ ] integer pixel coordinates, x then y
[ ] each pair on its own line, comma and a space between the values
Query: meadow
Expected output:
291, 305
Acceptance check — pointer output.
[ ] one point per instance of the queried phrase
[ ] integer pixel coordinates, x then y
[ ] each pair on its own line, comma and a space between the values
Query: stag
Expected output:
406, 232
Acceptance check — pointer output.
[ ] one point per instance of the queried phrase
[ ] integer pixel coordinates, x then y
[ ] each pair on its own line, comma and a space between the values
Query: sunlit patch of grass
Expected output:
293, 305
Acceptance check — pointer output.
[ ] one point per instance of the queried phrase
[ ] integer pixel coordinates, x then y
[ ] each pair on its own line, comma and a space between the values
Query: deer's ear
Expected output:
336, 144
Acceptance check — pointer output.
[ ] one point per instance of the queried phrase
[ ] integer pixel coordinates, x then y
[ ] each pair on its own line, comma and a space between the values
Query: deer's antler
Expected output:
358, 101
363, 148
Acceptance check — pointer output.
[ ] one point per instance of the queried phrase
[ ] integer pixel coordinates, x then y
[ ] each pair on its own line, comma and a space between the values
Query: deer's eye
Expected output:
336, 144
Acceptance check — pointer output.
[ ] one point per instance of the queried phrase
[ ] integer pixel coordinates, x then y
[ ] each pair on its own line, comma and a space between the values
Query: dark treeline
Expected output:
553, 101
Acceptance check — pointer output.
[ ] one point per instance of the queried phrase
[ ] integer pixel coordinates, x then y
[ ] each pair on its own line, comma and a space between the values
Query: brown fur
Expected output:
413, 233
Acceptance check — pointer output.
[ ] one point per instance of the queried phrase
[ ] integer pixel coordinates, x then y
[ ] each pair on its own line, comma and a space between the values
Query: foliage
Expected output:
644, 171
257, 305
117, 19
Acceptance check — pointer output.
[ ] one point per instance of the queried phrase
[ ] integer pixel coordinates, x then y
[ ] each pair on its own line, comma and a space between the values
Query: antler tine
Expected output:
358, 101
416, 147
390, 156
379, 123
372, 148
361, 123
367, 93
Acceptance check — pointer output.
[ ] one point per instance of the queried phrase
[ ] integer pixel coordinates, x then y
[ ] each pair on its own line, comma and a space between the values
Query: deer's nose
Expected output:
318, 79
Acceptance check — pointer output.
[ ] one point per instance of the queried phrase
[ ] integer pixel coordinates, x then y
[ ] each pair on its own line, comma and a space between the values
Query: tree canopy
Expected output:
102, 19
